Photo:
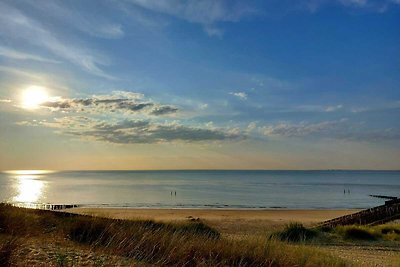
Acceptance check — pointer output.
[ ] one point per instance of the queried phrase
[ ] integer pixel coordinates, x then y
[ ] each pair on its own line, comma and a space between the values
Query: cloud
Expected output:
5, 101
118, 101
21, 73
372, 5
240, 95
203, 106
87, 23
313, 108
252, 126
162, 110
302, 129
337, 129
333, 108
206, 12
14, 54
213, 31
133, 131
19, 26
359, 3
390, 106
109, 31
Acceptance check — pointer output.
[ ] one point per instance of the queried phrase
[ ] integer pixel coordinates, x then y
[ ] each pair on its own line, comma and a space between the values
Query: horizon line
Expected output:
88, 170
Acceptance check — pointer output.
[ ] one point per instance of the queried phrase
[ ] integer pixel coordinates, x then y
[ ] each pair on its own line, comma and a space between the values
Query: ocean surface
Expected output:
201, 189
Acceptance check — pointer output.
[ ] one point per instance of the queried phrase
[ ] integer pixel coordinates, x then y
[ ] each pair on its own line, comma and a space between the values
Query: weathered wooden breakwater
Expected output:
45, 206
373, 216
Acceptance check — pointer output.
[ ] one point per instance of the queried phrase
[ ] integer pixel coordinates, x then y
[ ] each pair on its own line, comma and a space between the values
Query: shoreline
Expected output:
212, 209
66, 206
112, 209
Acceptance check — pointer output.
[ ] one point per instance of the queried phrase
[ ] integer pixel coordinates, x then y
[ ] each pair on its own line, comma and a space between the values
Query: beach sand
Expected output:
228, 222
255, 223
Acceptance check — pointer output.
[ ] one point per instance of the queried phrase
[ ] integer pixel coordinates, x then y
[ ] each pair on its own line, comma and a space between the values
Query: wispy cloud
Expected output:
337, 129
373, 5
313, 108
390, 106
206, 12
302, 129
214, 31
333, 108
240, 95
19, 26
21, 73
359, 3
133, 131
15, 54
87, 23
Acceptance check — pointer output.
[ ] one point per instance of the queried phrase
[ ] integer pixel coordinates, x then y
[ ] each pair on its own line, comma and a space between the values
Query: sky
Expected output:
208, 84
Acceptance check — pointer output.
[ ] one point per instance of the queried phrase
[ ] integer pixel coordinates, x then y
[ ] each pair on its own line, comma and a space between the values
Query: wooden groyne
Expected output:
45, 206
373, 216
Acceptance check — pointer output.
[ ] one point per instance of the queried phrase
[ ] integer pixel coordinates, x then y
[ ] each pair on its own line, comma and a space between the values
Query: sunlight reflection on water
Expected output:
199, 189
29, 185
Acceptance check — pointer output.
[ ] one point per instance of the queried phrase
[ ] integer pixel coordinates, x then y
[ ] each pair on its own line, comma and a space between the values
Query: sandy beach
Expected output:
239, 224
229, 222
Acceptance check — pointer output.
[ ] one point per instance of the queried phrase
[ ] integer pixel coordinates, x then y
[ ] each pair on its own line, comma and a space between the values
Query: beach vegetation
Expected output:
191, 243
356, 232
7, 247
295, 232
62, 259
385, 232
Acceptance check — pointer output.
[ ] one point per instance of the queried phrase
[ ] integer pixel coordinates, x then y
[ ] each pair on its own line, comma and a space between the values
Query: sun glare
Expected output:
29, 172
33, 96
30, 185
30, 188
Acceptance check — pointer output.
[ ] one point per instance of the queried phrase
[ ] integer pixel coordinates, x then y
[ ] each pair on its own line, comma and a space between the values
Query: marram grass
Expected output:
149, 242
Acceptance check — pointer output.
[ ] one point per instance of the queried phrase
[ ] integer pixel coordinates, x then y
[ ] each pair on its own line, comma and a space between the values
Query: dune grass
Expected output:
161, 244
358, 233
385, 232
295, 232
7, 247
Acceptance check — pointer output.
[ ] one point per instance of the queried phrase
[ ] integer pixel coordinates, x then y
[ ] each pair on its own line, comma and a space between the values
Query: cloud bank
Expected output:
134, 131
337, 129
118, 101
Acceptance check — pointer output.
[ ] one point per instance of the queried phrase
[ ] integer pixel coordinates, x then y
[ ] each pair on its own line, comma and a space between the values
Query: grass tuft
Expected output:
295, 232
199, 228
62, 259
88, 230
7, 248
358, 233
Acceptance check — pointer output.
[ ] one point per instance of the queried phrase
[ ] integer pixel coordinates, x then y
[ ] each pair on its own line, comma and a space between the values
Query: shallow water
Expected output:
202, 189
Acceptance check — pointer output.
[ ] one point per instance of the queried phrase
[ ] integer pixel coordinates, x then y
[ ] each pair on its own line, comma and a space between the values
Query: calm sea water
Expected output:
202, 189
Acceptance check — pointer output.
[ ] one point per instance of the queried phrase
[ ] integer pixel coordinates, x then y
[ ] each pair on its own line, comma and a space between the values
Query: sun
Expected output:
33, 96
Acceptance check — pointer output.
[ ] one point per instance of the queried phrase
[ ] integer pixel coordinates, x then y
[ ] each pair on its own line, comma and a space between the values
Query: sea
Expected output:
204, 189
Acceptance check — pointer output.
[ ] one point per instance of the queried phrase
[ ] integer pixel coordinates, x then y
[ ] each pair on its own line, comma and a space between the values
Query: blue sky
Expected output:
138, 84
